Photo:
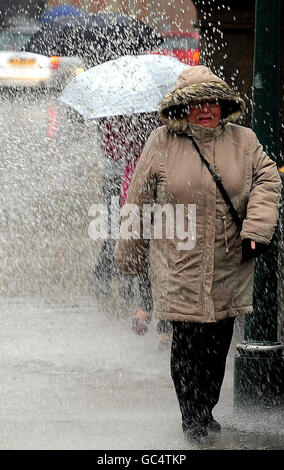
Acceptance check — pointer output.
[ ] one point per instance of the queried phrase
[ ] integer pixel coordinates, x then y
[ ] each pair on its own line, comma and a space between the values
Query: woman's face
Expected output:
205, 113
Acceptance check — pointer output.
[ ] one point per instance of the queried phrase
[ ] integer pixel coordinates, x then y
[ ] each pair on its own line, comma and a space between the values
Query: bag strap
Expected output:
216, 178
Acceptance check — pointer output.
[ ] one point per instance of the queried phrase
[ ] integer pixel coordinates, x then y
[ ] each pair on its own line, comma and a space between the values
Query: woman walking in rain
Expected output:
201, 290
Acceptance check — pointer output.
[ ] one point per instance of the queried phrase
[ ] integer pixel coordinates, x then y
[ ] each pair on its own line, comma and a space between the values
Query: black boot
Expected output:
211, 424
194, 431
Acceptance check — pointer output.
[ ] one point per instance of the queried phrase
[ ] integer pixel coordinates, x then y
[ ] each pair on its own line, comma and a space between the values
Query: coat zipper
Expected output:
225, 230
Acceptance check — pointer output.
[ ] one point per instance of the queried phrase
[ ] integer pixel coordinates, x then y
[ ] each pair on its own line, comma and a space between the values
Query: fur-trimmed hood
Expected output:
196, 84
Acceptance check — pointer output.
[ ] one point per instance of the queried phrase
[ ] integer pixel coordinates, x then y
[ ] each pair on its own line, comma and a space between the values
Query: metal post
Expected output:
259, 367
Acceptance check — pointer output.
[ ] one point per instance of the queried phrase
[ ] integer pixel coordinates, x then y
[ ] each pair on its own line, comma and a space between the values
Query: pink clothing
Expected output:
127, 177
125, 137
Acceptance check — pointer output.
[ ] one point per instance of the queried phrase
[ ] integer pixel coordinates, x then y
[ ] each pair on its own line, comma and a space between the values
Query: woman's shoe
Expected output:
195, 432
211, 424
140, 322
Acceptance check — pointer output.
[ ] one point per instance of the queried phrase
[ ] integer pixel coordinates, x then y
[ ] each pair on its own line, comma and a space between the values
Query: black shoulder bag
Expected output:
247, 251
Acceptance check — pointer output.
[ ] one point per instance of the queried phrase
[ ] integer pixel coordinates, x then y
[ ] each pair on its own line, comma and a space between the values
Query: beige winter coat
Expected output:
209, 281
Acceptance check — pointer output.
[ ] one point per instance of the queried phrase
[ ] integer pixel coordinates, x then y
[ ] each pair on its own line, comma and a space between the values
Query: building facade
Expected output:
165, 15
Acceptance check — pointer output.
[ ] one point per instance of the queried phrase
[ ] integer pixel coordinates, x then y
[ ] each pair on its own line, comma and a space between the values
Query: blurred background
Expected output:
226, 29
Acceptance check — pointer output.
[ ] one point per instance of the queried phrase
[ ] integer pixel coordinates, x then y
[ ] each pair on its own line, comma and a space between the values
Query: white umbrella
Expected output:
124, 86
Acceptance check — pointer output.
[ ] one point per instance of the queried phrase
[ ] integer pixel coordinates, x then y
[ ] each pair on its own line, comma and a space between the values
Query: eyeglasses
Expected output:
204, 104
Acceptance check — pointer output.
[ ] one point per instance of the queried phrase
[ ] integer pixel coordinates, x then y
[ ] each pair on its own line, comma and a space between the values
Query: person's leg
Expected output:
185, 370
145, 289
105, 267
143, 313
218, 337
198, 359
164, 328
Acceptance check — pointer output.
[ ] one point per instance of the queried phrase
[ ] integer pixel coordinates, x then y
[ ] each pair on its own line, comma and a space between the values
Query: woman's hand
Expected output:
252, 249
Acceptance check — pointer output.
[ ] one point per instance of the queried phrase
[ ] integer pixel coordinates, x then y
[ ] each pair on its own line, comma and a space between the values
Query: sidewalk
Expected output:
75, 377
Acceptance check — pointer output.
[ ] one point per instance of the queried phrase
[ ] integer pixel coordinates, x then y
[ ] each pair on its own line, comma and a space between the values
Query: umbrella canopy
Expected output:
97, 38
125, 86
60, 10
57, 37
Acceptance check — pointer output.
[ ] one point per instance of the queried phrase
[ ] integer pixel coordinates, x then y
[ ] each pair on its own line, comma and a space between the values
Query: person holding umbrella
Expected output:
203, 158
133, 88
123, 140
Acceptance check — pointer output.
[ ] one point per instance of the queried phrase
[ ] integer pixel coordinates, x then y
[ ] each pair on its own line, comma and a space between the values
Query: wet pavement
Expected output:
74, 376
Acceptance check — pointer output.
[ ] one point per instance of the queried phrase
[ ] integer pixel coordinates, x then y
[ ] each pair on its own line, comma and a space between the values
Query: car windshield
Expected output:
180, 43
13, 41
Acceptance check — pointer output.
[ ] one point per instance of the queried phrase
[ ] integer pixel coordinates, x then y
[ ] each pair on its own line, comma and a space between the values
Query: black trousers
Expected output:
198, 359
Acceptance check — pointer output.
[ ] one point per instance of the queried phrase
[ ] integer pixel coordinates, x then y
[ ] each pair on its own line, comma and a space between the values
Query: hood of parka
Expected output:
196, 84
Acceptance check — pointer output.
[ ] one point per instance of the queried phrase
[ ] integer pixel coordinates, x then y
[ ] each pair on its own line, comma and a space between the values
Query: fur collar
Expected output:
174, 106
